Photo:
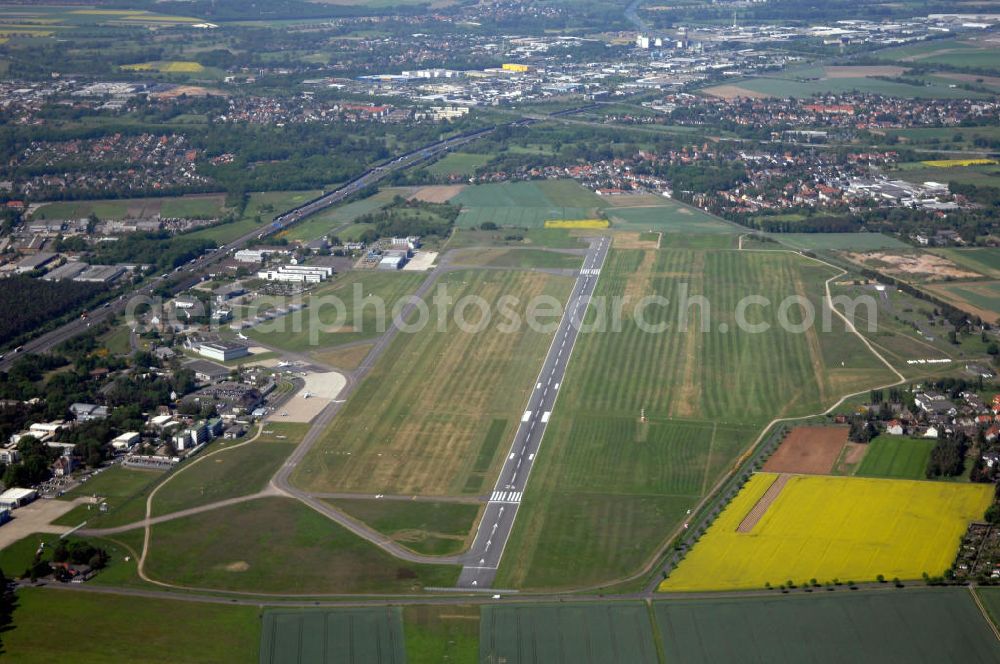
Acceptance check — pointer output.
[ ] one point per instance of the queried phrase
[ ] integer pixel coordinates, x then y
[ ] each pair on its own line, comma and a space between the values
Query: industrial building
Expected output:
125, 441
297, 274
34, 262
222, 351
11, 499
394, 259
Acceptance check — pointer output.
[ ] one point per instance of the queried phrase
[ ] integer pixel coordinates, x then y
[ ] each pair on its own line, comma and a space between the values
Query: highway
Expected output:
480, 563
189, 273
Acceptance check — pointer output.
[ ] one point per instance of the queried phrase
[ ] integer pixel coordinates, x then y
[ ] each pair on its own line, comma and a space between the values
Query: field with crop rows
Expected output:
570, 633
829, 528
896, 457
926, 625
525, 204
608, 488
432, 416
348, 636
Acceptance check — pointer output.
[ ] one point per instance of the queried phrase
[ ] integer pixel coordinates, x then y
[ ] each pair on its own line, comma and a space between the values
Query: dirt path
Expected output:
759, 509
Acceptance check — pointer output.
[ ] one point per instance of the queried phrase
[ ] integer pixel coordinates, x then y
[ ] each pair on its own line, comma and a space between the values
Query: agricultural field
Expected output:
918, 172
607, 488
363, 295
985, 260
525, 204
229, 473
838, 241
195, 206
458, 163
143, 629
327, 221
965, 52
896, 457
273, 545
425, 527
167, 67
669, 216
981, 298
917, 625
525, 258
946, 138
433, 414
436, 634
619, 632
813, 81
267, 205
830, 528
291, 636
808, 450
545, 238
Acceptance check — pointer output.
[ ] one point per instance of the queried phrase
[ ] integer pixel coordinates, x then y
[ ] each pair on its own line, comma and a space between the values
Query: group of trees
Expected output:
127, 394
948, 456
410, 217
159, 249
27, 302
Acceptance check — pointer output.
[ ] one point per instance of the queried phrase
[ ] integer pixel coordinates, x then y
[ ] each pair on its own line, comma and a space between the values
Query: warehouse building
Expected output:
222, 351
11, 499
297, 274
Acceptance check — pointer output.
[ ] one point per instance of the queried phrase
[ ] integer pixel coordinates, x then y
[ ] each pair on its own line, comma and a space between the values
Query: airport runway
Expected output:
483, 558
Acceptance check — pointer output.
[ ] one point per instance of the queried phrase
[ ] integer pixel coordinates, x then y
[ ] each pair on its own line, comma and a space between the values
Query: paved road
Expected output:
483, 557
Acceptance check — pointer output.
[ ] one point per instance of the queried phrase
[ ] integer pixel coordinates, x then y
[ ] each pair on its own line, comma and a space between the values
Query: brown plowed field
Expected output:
808, 450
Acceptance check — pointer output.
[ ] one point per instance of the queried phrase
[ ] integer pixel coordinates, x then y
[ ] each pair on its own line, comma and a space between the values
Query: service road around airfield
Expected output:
483, 557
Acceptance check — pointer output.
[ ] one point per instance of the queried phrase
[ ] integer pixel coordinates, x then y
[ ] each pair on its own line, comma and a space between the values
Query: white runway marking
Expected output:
526, 416
557, 386
545, 416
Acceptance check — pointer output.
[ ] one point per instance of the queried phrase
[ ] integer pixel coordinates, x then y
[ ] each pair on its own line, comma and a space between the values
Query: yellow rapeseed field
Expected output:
577, 223
949, 163
827, 528
167, 67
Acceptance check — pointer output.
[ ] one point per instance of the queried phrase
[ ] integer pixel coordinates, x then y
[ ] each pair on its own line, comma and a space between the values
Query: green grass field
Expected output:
322, 319
669, 217
279, 545
777, 86
433, 414
985, 260
982, 176
927, 625
990, 597
267, 205
436, 634
525, 204
978, 297
958, 52
619, 632
517, 258
110, 628
322, 223
548, 238
424, 527
608, 488
199, 206
897, 338
458, 163
896, 457
337, 636
838, 241
229, 473
119, 486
